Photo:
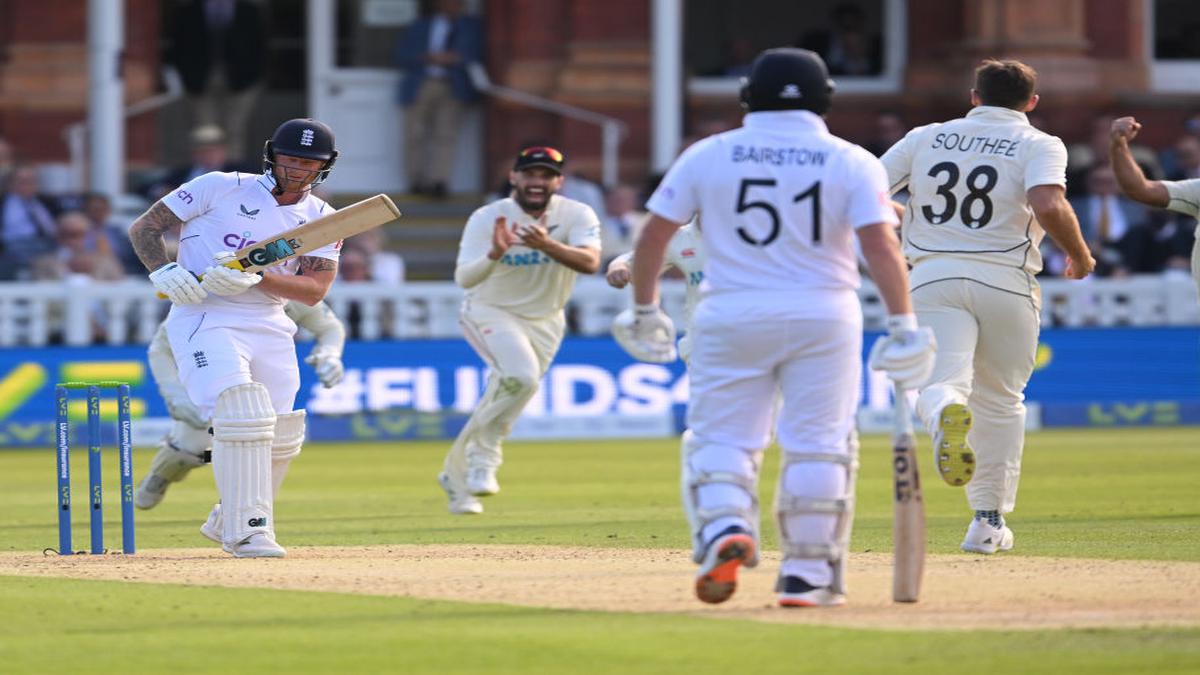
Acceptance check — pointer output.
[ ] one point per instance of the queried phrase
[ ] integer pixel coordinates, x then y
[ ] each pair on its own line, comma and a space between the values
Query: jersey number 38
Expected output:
979, 184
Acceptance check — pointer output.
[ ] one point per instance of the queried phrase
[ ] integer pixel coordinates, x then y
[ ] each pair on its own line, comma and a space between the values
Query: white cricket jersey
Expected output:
778, 202
525, 281
1185, 196
227, 212
968, 216
685, 252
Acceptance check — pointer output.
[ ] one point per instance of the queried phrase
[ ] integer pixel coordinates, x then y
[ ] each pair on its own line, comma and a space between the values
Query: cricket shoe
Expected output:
954, 459
717, 578
796, 592
481, 481
257, 545
212, 527
983, 538
150, 491
460, 503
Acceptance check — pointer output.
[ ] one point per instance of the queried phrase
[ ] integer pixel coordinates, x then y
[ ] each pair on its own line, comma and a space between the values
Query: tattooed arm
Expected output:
310, 283
146, 235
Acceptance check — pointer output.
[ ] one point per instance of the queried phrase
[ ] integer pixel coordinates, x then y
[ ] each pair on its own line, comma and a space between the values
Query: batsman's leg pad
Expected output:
289, 437
719, 486
815, 486
243, 433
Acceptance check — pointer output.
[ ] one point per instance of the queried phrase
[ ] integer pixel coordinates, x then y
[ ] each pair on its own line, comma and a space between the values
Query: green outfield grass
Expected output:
1100, 494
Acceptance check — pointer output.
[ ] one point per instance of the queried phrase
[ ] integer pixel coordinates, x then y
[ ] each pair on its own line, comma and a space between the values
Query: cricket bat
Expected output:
908, 515
341, 224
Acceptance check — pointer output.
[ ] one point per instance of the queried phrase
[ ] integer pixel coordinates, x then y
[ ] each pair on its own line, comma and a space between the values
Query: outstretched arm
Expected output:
1129, 175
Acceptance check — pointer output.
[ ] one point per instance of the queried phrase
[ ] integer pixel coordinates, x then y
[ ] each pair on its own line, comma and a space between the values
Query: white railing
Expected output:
79, 312
612, 130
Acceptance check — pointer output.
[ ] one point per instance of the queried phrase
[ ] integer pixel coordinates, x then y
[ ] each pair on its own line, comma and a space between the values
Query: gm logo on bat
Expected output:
270, 252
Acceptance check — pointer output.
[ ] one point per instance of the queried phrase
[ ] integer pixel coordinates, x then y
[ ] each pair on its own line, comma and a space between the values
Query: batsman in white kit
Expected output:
779, 201
232, 341
517, 261
985, 189
187, 445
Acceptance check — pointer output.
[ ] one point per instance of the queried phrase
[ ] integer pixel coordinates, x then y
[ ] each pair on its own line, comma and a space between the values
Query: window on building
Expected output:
862, 41
1172, 27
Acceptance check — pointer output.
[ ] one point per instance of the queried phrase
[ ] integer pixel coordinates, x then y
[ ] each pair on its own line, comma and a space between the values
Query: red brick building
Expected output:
1093, 55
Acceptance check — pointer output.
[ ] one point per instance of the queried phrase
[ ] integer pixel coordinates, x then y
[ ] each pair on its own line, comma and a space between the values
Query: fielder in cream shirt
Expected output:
985, 189
517, 261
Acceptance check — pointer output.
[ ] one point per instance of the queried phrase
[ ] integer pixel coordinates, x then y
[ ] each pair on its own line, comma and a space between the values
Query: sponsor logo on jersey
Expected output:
525, 259
688, 253
237, 241
247, 213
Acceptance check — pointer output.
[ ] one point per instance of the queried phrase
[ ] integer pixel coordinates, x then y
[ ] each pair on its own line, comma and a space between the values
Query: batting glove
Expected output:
178, 285
906, 353
328, 366
646, 333
223, 280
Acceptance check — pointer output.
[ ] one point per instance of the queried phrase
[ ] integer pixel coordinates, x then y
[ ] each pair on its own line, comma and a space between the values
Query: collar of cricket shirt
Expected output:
995, 112
784, 120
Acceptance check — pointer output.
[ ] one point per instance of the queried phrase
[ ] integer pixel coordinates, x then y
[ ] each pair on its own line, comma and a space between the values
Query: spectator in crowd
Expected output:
27, 226
889, 128
79, 249
435, 90
7, 163
740, 52
621, 223
352, 266
579, 188
114, 231
1114, 226
848, 46
218, 47
1081, 157
381, 265
1186, 158
210, 152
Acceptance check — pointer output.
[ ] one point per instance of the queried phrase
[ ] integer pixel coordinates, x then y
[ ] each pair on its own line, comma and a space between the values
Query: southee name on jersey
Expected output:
778, 156
984, 145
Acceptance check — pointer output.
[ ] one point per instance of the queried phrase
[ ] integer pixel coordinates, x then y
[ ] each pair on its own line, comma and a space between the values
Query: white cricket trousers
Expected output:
517, 351
987, 342
746, 349
215, 353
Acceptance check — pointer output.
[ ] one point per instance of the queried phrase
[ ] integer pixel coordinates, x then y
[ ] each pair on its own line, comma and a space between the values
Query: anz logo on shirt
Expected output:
526, 259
